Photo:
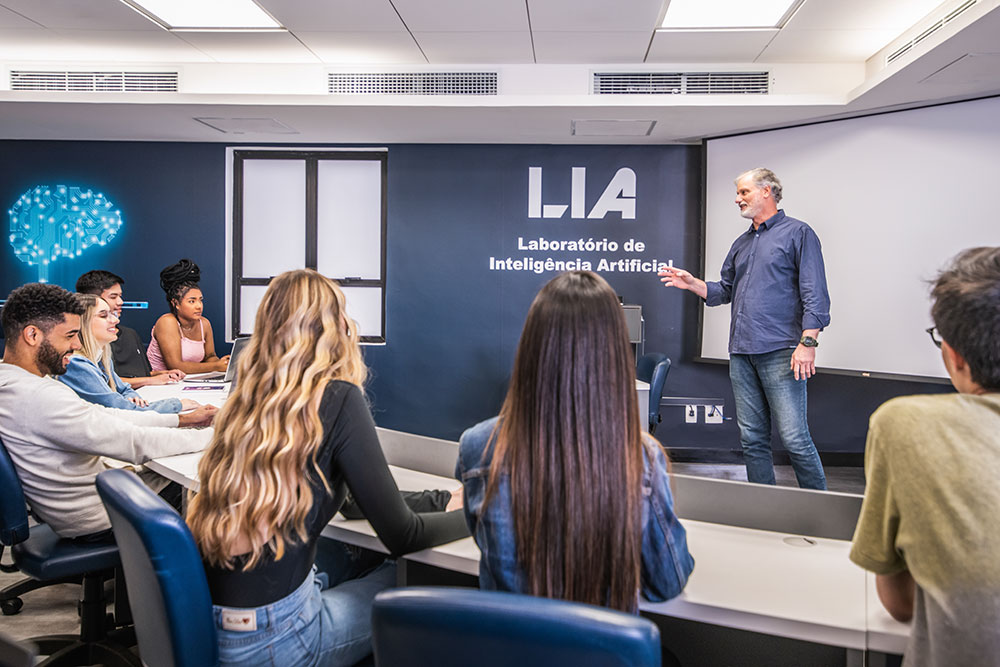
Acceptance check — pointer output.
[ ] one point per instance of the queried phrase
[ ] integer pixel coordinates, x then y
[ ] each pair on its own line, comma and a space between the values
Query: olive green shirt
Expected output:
932, 506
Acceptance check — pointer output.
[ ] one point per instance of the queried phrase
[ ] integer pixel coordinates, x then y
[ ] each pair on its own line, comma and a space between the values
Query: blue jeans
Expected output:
313, 625
765, 388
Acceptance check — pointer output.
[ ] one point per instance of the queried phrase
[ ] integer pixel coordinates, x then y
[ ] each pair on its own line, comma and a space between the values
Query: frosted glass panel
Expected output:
250, 298
364, 304
274, 214
349, 208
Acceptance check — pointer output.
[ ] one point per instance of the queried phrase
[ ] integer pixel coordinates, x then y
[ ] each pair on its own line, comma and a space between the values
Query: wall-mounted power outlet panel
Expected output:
713, 414
690, 414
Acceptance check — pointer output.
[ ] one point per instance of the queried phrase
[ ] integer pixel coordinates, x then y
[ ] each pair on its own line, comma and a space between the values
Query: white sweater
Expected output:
56, 439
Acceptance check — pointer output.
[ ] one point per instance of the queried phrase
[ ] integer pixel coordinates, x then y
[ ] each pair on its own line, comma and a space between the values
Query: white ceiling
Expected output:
828, 60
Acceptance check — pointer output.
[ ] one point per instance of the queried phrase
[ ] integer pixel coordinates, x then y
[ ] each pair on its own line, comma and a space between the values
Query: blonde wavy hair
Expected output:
255, 473
89, 347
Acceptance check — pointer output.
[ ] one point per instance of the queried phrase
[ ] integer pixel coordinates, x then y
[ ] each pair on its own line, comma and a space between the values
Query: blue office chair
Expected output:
653, 368
441, 627
39, 553
166, 581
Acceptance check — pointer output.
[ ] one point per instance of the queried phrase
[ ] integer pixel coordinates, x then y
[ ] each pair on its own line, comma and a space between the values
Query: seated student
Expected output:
55, 438
564, 494
929, 527
182, 338
128, 351
91, 373
294, 435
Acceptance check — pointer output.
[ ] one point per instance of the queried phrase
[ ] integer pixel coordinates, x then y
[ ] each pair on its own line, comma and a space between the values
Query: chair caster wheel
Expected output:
11, 606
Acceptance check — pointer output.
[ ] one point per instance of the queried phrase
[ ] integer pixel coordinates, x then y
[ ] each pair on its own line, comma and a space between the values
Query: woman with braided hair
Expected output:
182, 338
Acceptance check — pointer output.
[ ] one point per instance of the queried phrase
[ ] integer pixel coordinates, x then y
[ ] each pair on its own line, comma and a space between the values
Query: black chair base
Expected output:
95, 644
10, 597
69, 650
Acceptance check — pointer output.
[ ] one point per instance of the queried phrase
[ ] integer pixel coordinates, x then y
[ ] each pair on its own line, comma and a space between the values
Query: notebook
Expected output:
218, 377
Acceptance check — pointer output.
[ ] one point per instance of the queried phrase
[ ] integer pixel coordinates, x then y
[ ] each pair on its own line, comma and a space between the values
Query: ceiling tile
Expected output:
970, 68
32, 44
351, 48
590, 47
476, 47
893, 15
334, 15
463, 15
128, 46
82, 14
824, 46
687, 46
594, 15
249, 47
9, 19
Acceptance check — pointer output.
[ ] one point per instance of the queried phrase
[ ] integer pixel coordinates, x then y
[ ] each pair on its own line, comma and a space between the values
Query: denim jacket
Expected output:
90, 382
666, 563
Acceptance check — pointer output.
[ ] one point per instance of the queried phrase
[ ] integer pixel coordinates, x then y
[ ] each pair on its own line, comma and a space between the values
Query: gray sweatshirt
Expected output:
56, 439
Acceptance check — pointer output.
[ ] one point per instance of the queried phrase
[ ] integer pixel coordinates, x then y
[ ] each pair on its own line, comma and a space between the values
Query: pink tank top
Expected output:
191, 350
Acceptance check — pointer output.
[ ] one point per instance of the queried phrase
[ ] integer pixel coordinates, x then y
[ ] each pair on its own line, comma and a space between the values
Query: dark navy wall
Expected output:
452, 323
173, 205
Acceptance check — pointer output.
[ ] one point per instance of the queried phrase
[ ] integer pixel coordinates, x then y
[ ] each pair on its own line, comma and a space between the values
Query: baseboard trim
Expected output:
732, 456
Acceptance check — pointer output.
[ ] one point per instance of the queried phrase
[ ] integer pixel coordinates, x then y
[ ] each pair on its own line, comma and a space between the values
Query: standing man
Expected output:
775, 278
929, 528
128, 350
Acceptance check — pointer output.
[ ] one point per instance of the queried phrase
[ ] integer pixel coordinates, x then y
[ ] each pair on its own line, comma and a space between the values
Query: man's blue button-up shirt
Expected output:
775, 278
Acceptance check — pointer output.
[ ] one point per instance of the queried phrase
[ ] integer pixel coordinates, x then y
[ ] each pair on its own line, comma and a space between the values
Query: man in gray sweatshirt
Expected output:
55, 438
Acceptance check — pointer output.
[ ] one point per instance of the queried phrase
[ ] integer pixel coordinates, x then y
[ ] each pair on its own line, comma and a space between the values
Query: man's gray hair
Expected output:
762, 177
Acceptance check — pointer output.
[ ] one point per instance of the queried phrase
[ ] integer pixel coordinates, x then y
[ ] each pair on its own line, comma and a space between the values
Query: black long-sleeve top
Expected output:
351, 458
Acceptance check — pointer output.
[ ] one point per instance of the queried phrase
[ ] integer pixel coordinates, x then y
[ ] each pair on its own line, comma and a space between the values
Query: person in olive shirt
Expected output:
929, 527
128, 351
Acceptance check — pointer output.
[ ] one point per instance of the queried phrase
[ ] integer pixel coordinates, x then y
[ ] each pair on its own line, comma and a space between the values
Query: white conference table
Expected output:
746, 579
756, 580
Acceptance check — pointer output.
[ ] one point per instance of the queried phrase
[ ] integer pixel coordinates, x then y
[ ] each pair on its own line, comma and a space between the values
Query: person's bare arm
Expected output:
168, 336
897, 592
674, 277
210, 354
804, 358
136, 383
200, 416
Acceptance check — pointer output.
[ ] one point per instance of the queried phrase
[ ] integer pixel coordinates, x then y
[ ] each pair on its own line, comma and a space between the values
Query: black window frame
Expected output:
311, 159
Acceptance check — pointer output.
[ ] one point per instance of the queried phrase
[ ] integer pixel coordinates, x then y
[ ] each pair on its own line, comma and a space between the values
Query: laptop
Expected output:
218, 377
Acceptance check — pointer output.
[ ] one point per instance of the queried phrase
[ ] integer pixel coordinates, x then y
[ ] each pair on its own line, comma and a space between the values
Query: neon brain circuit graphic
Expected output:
47, 224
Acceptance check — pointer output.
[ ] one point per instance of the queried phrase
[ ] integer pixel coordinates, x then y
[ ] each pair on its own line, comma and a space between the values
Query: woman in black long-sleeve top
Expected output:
294, 436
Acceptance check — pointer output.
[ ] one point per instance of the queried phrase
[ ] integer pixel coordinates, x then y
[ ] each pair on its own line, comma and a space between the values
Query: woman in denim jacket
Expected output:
91, 372
564, 494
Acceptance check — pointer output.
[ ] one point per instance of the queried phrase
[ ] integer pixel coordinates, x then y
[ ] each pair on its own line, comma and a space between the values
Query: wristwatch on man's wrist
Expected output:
808, 341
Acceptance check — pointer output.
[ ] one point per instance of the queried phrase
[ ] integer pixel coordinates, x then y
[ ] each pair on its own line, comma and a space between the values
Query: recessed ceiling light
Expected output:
728, 13
198, 15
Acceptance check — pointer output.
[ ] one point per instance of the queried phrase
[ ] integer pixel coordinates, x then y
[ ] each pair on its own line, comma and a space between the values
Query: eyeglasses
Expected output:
935, 336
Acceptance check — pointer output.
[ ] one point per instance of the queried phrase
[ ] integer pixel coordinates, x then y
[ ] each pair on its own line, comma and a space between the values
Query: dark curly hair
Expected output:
177, 279
39, 304
95, 282
966, 311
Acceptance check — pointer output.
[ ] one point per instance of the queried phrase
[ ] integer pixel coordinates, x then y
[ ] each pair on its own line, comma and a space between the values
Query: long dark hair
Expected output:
569, 437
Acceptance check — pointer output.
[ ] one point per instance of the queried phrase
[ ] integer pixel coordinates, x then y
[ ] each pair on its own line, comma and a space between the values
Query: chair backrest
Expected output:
653, 368
13, 512
440, 626
167, 588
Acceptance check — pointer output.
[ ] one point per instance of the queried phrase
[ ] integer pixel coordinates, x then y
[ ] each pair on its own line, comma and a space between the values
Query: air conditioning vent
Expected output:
681, 83
907, 46
95, 82
412, 83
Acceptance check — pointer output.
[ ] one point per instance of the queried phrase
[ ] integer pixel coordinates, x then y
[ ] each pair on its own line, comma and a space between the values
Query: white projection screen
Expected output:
892, 198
